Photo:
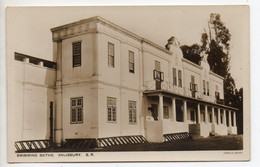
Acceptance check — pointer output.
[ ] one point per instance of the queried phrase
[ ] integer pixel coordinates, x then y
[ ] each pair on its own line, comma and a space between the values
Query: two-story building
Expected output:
109, 82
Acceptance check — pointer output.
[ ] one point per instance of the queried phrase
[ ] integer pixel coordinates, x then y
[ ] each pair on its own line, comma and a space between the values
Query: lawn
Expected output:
232, 142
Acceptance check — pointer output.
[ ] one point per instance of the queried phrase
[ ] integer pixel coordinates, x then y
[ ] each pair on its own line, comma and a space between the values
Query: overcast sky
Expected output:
29, 28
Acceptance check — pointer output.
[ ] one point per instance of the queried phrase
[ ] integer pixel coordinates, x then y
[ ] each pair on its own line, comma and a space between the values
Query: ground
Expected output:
231, 142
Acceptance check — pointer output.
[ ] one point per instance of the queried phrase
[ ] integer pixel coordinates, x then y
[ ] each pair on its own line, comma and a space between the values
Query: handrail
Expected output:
184, 91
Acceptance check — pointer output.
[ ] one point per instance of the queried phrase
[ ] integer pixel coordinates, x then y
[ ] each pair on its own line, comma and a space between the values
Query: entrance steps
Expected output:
176, 136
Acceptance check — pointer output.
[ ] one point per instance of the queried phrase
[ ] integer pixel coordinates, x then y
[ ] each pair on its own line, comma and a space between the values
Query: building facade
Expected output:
109, 82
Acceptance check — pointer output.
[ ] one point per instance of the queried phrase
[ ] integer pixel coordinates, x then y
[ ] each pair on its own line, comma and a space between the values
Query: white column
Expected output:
234, 117
184, 111
213, 116
173, 110
206, 114
40, 63
58, 93
229, 118
224, 118
26, 60
160, 112
219, 122
198, 114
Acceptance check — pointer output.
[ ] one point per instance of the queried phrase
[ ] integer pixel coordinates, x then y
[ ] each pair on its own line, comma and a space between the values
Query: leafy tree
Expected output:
215, 42
192, 52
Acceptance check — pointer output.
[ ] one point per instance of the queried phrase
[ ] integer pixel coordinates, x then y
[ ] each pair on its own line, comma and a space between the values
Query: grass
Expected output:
231, 142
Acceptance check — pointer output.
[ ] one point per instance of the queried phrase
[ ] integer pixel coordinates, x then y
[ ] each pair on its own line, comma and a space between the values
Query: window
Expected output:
131, 62
157, 66
111, 109
132, 111
208, 88
76, 54
174, 76
204, 87
180, 78
165, 112
76, 105
111, 55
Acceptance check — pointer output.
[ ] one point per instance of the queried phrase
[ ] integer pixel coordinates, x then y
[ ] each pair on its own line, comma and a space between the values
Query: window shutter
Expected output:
76, 51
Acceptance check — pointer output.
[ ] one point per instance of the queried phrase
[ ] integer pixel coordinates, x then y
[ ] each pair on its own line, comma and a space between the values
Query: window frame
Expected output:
75, 54
113, 108
207, 88
174, 76
131, 63
112, 55
132, 116
76, 107
204, 87
179, 78
166, 113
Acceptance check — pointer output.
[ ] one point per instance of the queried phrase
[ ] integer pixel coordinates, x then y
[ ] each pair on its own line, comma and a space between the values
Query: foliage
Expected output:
192, 52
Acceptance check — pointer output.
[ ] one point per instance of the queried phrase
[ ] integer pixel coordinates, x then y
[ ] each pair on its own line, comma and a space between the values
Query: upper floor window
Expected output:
111, 55
131, 62
76, 105
132, 111
217, 95
180, 78
166, 112
111, 109
157, 66
76, 54
208, 88
204, 87
174, 76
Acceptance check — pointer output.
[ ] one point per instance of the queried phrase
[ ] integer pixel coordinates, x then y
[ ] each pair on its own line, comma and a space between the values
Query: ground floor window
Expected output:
76, 110
165, 112
132, 111
111, 109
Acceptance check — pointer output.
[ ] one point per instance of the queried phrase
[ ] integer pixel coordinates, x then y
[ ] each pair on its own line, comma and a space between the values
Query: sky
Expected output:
28, 28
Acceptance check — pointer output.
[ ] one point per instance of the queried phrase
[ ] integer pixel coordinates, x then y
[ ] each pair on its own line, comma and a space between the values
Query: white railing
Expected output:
184, 91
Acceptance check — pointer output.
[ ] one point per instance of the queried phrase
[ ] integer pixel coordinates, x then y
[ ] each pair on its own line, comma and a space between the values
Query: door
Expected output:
155, 111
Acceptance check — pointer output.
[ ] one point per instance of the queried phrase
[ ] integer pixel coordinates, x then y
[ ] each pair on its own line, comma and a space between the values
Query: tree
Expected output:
215, 42
192, 52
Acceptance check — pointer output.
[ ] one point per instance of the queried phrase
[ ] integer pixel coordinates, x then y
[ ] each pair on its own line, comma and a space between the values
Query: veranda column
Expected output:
206, 114
58, 93
229, 118
219, 116
198, 114
160, 113
213, 116
184, 111
234, 118
225, 118
173, 110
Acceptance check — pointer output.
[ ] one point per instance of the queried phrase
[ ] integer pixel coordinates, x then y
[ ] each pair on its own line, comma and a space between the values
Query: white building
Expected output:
109, 82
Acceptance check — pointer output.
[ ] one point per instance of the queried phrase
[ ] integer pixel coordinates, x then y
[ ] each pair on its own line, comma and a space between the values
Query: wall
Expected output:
34, 89
89, 127
70, 74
